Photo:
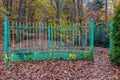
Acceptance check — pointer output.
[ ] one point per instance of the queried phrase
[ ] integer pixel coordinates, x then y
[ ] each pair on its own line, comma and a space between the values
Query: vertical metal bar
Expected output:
6, 42
54, 35
42, 36
67, 37
60, 37
83, 38
18, 43
9, 36
23, 32
46, 34
13, 38
73, 37
51, 36
111, 41
27, 33
20, 38
13, 42
30, 37
36, 35
49, 41
92, 39
39, 35
79, 38
90, 35
17, 36
6, 48
33, 35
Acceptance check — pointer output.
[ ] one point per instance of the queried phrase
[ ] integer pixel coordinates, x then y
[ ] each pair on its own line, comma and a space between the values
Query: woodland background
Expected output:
57, 11
61, 12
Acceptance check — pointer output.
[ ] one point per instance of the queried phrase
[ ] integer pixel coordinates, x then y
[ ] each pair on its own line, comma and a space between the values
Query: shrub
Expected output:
101, 35
115, 52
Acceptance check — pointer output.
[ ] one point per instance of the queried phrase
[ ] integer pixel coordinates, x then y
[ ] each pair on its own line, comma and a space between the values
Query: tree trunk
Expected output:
59, 7
11, 1
106, 9
7, 4
80, 10
20, 11
24, 12
74, 13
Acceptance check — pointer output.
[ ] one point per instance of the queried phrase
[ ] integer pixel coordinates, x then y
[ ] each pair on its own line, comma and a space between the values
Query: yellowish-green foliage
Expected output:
43, 9
72, 56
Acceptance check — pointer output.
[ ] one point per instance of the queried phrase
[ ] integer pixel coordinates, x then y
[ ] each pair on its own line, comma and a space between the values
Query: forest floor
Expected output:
100, 69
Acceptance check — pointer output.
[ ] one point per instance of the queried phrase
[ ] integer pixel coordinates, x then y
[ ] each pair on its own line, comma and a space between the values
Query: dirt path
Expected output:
100, 69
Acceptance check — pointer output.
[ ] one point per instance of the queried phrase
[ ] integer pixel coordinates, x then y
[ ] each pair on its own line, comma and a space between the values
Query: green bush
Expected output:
115, 52
101, 35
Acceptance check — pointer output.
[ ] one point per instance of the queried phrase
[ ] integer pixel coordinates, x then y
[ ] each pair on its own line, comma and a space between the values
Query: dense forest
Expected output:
57, 11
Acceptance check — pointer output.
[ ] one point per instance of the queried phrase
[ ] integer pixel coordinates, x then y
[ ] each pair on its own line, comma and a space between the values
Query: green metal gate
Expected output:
41, 42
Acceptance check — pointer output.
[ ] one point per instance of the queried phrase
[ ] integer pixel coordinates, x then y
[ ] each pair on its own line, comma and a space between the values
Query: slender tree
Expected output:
20, 11
74, 10
59, 7
11, 2
106, 10
24, 11
80, 10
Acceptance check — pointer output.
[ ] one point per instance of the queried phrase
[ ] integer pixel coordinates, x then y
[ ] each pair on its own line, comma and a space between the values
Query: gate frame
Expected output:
7, 40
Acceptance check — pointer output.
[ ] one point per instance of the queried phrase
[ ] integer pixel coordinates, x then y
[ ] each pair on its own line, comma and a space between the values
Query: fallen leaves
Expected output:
100, 69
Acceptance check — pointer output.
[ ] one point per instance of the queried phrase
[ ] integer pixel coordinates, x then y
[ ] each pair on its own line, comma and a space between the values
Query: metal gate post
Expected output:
49, 41
111, 28
6, 41
92, 39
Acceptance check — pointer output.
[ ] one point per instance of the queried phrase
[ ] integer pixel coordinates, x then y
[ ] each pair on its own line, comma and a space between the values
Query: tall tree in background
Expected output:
106, 10
95, 6
6, 3
58, 10
20, 11
11, 2
29, 10
24, 11
74, 11
80, 10
59, 7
